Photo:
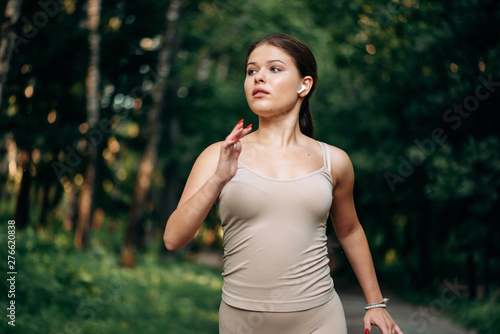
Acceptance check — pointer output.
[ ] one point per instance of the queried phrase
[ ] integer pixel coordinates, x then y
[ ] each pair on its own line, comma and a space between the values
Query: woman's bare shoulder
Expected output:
209, 156
212, 149
341, 163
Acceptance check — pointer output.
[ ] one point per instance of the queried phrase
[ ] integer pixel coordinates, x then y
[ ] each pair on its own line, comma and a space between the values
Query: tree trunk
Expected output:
23, 202
86, 201
135, 230
70, 217
9, 40
486, 270
44, 208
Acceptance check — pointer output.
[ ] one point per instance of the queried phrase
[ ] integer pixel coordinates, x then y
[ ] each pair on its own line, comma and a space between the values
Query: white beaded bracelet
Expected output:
375, 306
382, 304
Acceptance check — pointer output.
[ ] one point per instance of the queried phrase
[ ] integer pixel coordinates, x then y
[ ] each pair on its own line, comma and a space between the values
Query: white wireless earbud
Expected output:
302, 89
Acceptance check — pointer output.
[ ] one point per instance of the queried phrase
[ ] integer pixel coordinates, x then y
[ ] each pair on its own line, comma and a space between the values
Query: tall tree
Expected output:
135, 229
23, 202
85, 205
9, 39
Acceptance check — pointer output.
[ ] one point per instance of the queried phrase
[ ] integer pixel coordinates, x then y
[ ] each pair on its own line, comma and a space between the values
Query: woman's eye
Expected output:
250, 72
275, 69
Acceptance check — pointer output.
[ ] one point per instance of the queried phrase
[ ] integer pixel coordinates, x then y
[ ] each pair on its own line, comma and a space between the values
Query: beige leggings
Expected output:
328, 318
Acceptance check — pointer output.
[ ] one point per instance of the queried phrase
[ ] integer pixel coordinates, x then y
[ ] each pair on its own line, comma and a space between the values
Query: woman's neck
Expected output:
279, 132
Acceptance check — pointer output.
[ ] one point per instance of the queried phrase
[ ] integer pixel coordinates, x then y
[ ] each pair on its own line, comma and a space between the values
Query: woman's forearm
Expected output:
357, 250
189, 215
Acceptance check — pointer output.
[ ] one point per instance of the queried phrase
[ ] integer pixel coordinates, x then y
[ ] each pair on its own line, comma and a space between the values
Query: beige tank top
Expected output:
275, 252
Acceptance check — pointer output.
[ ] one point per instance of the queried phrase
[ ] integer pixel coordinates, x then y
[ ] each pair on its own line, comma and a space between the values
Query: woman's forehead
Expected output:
267, 53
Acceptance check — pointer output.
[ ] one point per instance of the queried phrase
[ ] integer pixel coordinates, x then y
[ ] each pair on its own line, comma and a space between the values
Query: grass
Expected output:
62, 290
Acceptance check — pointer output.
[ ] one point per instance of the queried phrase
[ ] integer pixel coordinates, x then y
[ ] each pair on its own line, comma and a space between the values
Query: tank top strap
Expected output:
326, 156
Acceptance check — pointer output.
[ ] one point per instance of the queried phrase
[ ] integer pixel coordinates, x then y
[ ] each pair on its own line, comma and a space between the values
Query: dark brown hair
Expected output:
306, 64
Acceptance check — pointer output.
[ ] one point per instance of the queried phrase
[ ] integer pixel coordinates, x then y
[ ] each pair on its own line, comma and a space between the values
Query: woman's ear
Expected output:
307, 83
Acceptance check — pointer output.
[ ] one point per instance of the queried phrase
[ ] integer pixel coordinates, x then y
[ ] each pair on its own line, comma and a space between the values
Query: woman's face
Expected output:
272, 81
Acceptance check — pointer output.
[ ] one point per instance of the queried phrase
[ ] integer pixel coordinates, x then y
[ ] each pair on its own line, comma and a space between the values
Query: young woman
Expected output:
274, 188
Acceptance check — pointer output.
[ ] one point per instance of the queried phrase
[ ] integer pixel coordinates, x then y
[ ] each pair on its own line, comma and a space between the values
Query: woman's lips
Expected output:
259, 92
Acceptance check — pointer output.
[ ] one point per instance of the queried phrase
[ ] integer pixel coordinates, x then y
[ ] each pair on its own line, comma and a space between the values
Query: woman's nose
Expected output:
259, 77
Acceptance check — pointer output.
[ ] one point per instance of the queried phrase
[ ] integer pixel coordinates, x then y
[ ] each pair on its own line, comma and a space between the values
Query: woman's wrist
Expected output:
372, 292
380, 304
217, 182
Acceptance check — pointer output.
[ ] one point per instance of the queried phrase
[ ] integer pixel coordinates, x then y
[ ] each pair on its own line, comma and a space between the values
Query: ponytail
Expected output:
305, 119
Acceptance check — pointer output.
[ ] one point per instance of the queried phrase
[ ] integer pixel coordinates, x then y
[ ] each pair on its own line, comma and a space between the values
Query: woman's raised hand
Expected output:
229, 152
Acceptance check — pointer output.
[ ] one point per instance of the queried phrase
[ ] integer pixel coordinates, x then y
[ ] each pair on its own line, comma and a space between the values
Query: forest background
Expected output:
105, 105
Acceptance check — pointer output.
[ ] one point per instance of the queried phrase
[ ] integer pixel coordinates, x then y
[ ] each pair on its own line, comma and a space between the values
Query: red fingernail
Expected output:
241, 121
248, 127
233, 139
367, 331
240, 127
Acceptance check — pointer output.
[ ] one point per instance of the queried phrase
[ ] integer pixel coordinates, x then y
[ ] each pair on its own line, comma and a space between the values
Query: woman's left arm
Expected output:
352, 237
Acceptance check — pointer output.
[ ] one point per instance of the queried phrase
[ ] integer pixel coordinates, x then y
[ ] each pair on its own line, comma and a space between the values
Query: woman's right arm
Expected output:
212, 170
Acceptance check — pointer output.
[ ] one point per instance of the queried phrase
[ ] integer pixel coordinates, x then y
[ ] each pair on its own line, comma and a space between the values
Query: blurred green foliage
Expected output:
61, 289
479, 315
